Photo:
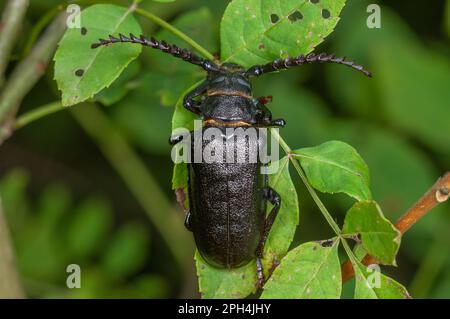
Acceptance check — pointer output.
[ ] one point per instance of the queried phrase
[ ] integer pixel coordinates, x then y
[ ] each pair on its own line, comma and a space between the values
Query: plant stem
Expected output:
38, 113
304, 179
10, 286
38, 27
29, 71
175, 31
438, 193
10, 26
138, 179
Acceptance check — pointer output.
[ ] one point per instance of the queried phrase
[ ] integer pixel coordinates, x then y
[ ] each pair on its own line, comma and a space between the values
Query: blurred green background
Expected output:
65, 203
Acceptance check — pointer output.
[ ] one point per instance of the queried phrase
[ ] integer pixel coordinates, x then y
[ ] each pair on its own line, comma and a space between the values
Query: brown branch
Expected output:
30, 70
10, 26
10, 286
437, 194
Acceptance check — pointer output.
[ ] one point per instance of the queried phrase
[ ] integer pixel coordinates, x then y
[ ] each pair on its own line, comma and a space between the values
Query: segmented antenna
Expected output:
282, 64
172, 49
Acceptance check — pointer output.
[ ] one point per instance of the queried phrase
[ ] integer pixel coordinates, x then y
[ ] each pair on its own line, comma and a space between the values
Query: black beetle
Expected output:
228, 200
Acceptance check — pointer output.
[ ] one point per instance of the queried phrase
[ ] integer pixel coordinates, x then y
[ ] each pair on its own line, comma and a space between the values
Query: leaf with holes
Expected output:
225, 283
310, 271
283, 229
81, 71
370, 283
379, 237
335, 167
259, 31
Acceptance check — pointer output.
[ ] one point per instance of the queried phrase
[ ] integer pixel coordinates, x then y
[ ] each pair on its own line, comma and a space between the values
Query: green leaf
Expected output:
371, 284
120, 87
379, 237
310, 271
127, 251
89, 228
283, 229
225, 283
182, 118
335, 167
81, 71
259, 31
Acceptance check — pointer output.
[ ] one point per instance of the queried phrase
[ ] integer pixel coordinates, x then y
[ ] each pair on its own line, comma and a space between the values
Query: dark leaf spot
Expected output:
83, 31
295, 16
202, 267
261, 46
274, 18
314, 1
79, 72
326, 14
327, 243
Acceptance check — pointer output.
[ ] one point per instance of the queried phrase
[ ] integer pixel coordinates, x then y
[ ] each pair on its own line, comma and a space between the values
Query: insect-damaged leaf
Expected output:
379, 237
240, 282
259, 31
371, 284
81, 71
309, 271
335, 167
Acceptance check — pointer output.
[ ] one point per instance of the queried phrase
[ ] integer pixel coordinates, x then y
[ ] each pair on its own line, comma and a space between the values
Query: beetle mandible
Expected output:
228, 200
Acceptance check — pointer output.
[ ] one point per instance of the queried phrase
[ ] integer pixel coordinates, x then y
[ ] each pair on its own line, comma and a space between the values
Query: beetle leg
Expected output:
175, 139
278, 123
189, 100
188, 221
274, 198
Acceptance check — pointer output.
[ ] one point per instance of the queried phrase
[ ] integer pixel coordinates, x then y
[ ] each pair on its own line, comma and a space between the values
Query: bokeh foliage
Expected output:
398, 123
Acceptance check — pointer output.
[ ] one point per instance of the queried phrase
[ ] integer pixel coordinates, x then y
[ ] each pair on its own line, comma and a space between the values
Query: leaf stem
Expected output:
38, 27
175, 31
38, 113
10, 286
304, 179
29, 71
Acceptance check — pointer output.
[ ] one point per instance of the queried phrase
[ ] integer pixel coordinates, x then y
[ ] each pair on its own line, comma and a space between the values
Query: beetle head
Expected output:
230, 77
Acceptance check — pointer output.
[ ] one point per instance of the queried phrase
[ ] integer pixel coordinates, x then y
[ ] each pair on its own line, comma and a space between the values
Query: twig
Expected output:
138, 180
28, 72
437, 194
9, 30
37, 113
175, 31
10, 286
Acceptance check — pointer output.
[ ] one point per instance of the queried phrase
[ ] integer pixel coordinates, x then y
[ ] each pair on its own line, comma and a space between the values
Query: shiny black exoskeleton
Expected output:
228, 200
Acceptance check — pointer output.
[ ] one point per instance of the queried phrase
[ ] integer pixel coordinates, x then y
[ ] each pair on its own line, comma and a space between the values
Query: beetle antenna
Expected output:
172, 49
289, 62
